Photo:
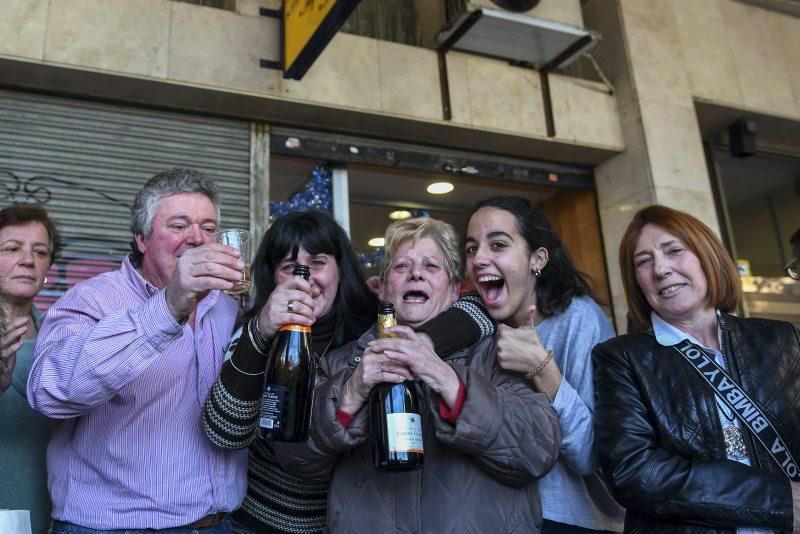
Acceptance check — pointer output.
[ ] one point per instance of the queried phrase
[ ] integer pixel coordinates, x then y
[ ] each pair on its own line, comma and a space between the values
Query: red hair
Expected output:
724, 286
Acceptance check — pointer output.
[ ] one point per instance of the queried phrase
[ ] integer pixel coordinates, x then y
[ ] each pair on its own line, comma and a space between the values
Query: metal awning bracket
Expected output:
519, 38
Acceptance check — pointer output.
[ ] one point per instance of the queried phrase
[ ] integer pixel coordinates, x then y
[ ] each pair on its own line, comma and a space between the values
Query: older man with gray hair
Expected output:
124, 362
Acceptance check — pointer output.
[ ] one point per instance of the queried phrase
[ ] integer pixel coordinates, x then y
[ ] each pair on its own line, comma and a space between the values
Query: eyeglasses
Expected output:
792, 269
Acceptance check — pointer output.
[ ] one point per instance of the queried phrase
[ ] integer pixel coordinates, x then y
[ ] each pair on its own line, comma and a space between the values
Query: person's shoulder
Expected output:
584, 306
627, 343
484, 344
585, 314
99, 284
761, 325
480, 355
96, 295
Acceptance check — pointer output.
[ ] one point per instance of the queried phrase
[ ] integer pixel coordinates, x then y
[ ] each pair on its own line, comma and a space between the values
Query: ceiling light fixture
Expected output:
440, 188
376, 242
398, 215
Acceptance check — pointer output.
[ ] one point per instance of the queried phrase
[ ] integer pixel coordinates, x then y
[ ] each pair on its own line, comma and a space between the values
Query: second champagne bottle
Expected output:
395, 416
289, 382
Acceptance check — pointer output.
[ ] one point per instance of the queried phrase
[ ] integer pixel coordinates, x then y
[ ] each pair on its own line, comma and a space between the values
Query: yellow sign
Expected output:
308, 26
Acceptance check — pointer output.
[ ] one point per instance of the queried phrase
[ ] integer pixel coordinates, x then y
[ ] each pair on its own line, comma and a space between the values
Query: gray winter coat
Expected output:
479, 475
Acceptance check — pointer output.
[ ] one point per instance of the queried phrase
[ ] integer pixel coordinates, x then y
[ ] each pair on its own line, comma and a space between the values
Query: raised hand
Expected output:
275, 312
198, 271
10, 343
520, 350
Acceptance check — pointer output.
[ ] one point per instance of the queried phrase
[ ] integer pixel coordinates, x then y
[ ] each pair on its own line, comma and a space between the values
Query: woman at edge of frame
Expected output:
29, 243
671, 449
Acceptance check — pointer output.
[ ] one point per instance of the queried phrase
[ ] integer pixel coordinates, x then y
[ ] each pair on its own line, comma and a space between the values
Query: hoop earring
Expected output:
45, 280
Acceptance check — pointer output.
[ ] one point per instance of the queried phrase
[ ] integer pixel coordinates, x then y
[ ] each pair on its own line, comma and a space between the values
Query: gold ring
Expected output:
290, 306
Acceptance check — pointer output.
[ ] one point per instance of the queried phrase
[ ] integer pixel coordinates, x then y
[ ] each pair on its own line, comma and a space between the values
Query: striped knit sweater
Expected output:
277, 501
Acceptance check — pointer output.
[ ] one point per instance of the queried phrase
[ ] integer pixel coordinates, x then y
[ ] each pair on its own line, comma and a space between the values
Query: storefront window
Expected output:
367, 197
762, 201
377, 192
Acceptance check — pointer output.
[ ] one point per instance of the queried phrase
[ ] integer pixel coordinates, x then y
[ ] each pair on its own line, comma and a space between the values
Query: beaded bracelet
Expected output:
538, 369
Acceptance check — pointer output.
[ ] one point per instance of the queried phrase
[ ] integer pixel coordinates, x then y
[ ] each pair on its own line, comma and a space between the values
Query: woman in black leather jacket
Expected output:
674, 454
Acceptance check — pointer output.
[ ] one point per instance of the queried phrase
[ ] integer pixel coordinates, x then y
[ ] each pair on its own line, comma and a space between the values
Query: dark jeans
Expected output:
244, 523
554, 527
60, 527
240, 528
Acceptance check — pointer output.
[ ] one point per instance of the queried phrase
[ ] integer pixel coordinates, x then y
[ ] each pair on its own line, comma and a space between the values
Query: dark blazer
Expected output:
659, 437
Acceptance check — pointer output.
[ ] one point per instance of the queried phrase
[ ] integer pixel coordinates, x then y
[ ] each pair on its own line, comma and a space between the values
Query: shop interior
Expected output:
377, 194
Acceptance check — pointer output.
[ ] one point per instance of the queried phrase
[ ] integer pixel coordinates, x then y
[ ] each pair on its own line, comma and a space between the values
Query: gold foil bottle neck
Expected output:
384, 322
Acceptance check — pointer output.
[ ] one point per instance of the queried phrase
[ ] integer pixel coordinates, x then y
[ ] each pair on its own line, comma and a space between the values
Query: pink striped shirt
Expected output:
127, 384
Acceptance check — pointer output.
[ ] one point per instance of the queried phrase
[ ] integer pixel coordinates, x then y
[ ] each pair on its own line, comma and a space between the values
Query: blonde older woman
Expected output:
488, 436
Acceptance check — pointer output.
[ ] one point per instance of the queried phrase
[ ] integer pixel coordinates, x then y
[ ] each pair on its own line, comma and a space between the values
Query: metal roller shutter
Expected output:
85, 161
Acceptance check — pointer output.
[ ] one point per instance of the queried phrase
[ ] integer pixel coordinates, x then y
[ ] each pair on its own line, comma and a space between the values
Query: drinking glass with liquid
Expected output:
240, 240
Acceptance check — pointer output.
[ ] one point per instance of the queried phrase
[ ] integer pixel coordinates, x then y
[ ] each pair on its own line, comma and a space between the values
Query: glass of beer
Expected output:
240, 240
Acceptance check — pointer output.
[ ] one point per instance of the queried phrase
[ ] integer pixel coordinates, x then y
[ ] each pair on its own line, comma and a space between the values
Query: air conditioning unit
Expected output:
564, 11
536, 35
517, 6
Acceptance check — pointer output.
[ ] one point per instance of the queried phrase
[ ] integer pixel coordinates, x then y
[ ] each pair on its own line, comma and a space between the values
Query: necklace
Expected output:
324, 352
735, 446
318, 359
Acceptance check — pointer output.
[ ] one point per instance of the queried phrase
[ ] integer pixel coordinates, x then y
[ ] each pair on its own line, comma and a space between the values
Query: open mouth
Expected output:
491, 286
669, 290
415, 297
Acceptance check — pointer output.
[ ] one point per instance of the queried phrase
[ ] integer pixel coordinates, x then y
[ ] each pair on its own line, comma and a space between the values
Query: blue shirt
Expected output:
573, 492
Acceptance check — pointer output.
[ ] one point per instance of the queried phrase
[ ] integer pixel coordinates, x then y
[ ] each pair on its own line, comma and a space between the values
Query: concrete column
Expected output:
259, 183
663, 161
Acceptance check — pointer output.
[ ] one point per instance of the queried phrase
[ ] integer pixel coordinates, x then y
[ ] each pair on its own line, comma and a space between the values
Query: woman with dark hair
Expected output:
698, 411
340, 306
549, 324
29, 242
320, 236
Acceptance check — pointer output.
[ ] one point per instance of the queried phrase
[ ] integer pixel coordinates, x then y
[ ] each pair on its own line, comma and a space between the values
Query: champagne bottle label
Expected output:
404, 432
271, 407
